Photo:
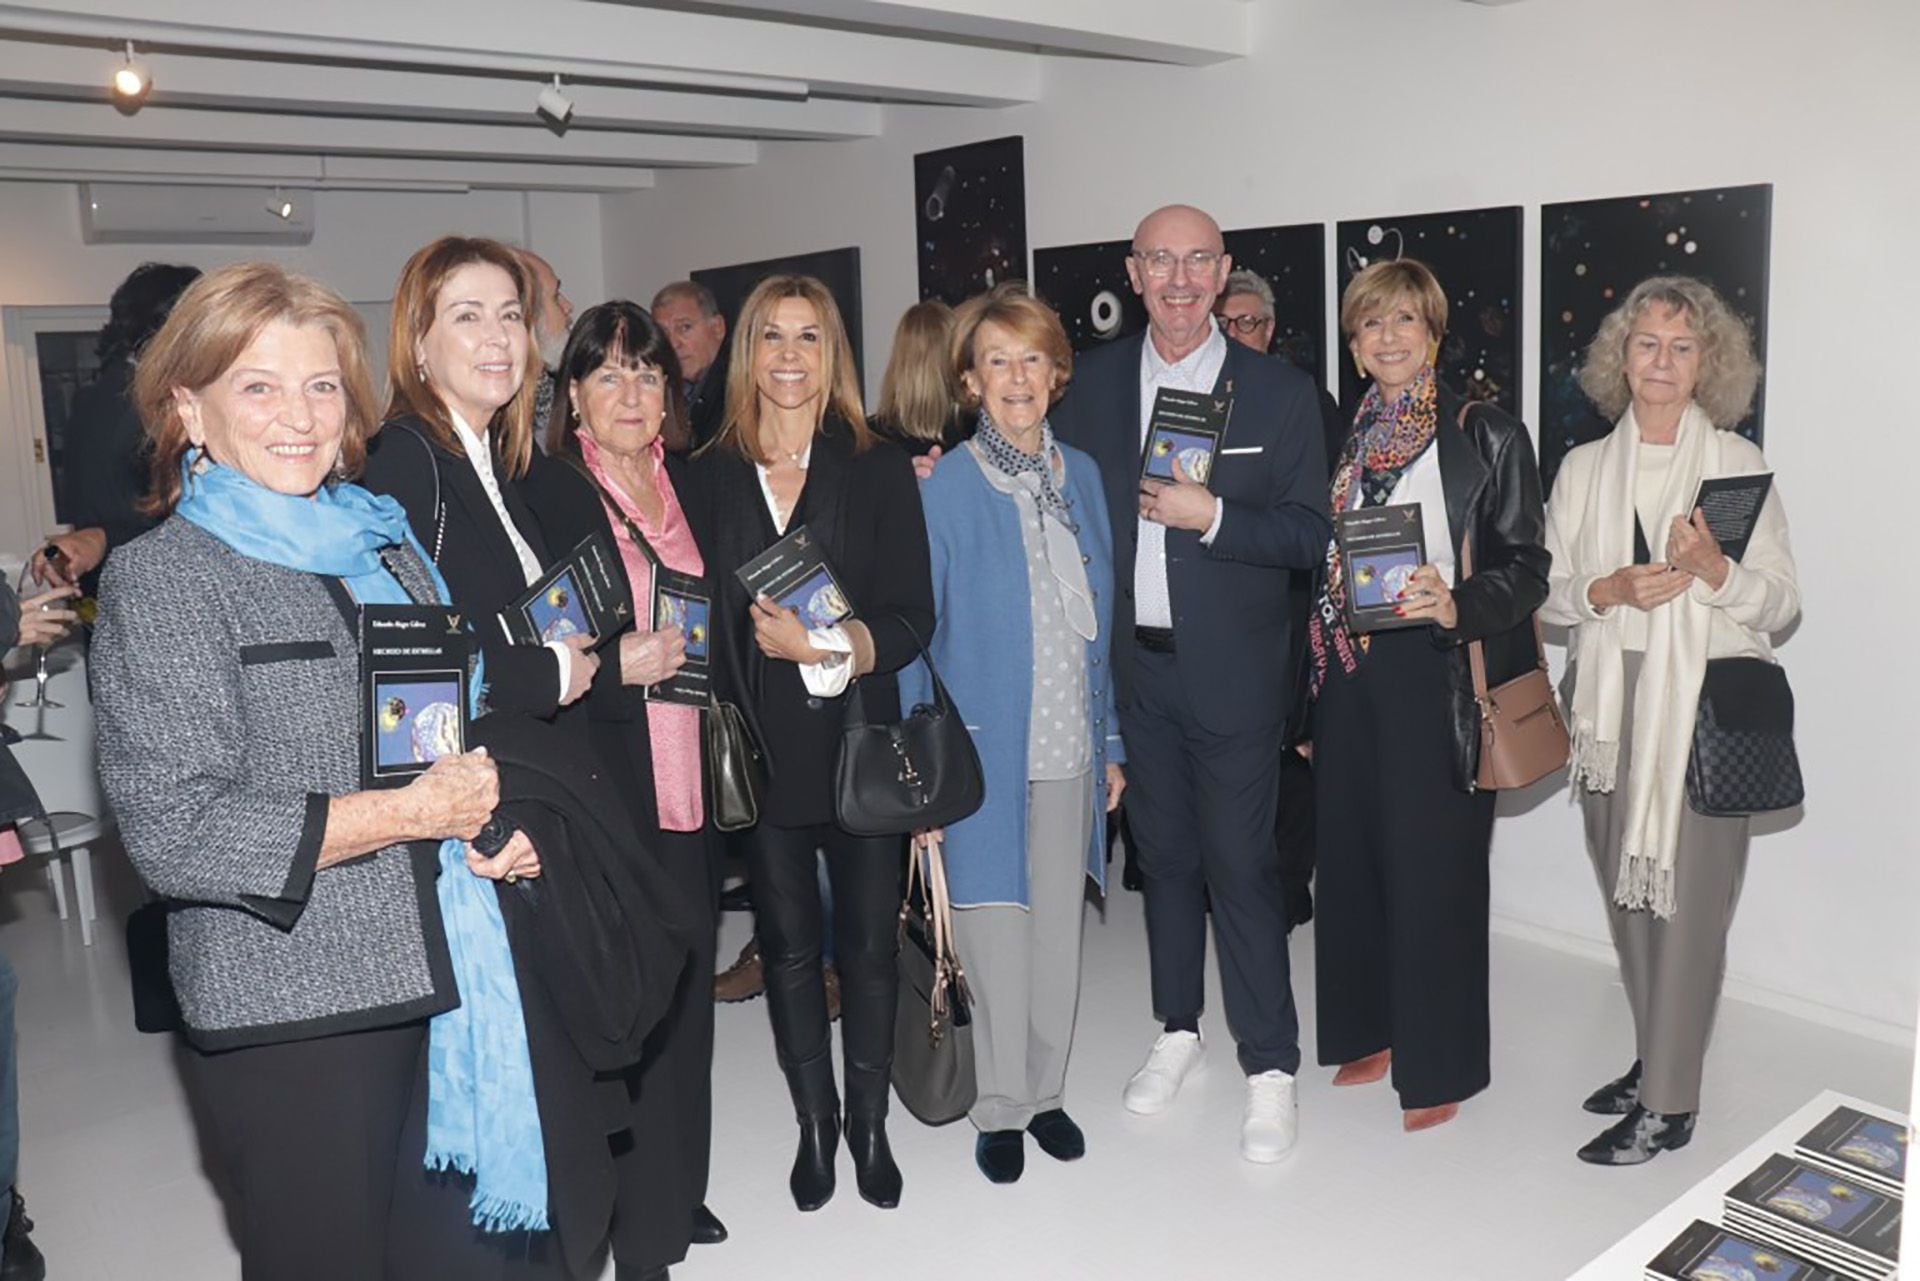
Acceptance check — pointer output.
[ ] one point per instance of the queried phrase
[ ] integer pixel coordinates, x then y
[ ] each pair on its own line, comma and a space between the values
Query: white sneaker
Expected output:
1153, 1087
1273, 1117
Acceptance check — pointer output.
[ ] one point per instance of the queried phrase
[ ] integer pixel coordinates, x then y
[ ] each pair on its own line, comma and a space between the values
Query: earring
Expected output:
1433, 352
1359, 366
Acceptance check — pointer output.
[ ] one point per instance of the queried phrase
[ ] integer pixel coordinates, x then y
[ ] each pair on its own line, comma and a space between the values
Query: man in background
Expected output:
690, 315
552, 321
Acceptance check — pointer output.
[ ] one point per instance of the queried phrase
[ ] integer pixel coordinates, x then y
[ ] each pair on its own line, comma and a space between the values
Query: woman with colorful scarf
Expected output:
1400, 939
1652, 599
336, 952
1023, 583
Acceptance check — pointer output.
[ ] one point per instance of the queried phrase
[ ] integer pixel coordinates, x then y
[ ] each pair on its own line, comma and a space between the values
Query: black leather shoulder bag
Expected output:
901, 776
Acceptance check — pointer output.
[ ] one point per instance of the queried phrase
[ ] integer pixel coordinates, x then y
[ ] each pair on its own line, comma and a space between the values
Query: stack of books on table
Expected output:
1835, 1221
1864, 1149
1708, 1252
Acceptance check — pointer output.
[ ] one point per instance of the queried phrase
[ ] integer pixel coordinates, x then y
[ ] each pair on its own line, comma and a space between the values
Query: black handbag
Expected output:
909, 774
733, 767
1743, 759
933, 1066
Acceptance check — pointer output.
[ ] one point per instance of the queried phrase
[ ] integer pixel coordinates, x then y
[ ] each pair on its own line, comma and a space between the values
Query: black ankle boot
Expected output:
1618, 1096
1638, 1137
874, 1171
812, 1179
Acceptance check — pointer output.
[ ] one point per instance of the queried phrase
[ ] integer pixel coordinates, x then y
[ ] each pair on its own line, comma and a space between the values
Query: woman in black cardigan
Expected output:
1400, 938
795, 450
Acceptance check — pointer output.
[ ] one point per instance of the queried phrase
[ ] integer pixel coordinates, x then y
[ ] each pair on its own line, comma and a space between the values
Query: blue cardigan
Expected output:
983, 646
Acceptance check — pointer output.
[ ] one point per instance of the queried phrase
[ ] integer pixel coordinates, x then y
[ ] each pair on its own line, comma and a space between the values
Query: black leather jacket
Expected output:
1492, 485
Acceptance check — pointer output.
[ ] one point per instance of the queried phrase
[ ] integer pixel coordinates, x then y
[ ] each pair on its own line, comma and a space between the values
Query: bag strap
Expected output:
606, 496
439, 505
856, 714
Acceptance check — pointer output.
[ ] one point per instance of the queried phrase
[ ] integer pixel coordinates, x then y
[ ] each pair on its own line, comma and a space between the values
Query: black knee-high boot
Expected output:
817, 1107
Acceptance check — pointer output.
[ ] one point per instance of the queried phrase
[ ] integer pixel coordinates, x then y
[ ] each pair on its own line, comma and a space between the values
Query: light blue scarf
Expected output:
482, 1119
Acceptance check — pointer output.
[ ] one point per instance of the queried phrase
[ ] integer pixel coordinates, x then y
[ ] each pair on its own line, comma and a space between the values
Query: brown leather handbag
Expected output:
1523, 737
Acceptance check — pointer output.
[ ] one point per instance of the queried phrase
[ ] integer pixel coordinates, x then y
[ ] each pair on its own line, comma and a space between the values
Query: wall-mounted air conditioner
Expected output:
152, 214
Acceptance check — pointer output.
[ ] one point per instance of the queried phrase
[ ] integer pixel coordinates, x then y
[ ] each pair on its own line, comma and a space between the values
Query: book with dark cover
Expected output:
1732, 507
581, 594
1864, 1148
1186, 426
681, 600
1837, 1221
415, 662
1708, 1252
1380, 547
795, 573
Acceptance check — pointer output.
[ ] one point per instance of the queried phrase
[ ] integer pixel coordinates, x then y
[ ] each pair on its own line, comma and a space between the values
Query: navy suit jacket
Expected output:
1231, 623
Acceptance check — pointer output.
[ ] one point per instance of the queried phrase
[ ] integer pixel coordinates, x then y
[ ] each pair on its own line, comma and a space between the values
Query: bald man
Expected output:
1201, 634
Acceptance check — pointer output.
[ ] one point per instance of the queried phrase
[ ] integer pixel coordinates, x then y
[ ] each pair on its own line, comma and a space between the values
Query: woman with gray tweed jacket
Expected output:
308, 949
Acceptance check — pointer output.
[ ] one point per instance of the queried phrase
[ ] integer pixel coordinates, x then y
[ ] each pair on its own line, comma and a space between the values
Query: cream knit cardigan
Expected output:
1590, 534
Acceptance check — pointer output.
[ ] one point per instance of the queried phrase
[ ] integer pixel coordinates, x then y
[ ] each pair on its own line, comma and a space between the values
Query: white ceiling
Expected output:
388, 94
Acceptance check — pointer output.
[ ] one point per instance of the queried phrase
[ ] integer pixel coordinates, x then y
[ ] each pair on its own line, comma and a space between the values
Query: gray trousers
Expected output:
1672, 969
1024, 964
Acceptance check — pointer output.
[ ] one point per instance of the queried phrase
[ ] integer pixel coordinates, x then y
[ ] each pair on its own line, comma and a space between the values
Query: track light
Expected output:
553, 102
280, 206
131, 80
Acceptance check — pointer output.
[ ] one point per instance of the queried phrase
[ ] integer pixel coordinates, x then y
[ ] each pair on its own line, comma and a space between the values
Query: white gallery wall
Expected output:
361, 240
1359, 108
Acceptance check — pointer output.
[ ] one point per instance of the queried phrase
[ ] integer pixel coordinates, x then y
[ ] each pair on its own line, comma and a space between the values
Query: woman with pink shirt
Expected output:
619, 398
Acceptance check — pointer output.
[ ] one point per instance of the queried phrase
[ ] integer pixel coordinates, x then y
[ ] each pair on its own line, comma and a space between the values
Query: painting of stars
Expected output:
970, 213
1593, 253
1293, 260
1088, 286
1475, 254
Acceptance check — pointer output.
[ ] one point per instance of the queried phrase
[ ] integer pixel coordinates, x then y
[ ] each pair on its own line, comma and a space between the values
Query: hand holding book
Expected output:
647, 658
1692, 547
780, 633
1179, 502
1428, 598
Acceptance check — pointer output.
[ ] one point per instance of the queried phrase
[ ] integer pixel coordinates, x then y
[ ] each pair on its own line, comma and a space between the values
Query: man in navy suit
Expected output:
1201, 637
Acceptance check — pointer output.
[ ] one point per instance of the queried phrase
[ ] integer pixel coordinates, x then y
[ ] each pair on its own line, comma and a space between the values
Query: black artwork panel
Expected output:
1592, 254
1088, 286
1475, 253
1294, 261
838, 269
970, 213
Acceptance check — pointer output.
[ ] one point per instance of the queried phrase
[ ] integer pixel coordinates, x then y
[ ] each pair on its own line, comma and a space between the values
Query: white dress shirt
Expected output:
830, 676
1197, 371
1420, 483
480, 455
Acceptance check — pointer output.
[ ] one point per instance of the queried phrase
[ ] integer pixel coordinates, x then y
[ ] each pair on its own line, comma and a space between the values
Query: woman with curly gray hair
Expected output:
1676, 367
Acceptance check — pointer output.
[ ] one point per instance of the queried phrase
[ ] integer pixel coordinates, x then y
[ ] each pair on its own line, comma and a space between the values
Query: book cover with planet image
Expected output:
795, 573
415, 664
581, 594
1185, 427
1869, 1149
1831, 1220
680, 600
1380, 547
1708, 1252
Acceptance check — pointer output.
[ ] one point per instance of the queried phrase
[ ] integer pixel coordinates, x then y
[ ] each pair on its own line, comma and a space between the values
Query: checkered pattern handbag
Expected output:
1743, 759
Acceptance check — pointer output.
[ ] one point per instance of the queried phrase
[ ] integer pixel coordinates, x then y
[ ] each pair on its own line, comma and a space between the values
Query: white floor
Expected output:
112, 1173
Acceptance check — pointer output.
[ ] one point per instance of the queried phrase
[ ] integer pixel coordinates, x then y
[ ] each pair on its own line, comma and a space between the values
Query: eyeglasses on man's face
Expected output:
1245, 325
1160, 263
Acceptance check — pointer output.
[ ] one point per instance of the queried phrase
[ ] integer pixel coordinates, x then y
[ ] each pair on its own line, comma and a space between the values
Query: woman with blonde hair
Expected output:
1403, 830
1652, 599
918, 408
795, 450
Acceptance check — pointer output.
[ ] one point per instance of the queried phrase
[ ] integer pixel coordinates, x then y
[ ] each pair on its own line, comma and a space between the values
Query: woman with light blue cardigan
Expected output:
1023, 582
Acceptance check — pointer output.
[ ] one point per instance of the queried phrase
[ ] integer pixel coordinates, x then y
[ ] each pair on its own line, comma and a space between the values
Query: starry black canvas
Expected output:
1592, 254
970, 216
1293, 260
1475, 253
1088, 286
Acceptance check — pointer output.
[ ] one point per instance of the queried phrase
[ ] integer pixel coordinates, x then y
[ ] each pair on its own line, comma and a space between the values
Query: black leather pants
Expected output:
865, 873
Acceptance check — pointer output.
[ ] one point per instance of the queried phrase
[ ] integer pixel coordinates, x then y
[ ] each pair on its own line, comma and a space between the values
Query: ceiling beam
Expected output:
78, 73
26, 120
569, 37
1198, 33
47, 162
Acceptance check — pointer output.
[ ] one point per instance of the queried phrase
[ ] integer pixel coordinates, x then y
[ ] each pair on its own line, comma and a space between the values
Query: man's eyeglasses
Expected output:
1159, 263
1245, 325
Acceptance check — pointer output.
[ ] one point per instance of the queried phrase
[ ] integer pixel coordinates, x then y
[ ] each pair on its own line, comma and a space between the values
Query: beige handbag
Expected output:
1523, 737
933, 1070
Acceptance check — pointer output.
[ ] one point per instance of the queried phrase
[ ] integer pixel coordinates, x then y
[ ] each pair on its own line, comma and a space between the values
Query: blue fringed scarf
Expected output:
482, 1119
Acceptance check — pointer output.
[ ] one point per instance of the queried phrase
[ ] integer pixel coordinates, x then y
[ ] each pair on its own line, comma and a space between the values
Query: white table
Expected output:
1627, 1260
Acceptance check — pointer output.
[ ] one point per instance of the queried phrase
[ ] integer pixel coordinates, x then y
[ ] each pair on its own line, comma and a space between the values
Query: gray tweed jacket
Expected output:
227, 692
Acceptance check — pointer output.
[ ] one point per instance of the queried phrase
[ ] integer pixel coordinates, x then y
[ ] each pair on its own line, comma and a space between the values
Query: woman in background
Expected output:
1652, 599
919, 409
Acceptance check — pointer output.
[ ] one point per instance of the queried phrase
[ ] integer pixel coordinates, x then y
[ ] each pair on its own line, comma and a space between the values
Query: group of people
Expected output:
406, 1066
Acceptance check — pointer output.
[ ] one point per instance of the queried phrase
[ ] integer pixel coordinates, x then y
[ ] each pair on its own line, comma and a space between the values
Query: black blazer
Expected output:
472, 549
1492, 485
568, 508
1231, 621
865, 511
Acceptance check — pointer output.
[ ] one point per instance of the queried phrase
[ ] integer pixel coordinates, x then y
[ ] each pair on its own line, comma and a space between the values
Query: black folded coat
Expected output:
603, 927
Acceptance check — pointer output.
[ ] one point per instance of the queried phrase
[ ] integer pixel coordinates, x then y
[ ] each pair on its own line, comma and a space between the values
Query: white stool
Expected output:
57, 754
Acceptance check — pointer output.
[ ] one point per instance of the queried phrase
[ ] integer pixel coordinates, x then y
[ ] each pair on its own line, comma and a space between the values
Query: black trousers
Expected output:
1202, 805
865, 872
662, 1159
1400, 936
305, 1141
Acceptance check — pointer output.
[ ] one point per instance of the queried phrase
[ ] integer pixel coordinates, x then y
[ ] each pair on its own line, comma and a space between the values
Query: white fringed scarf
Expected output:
1668, 695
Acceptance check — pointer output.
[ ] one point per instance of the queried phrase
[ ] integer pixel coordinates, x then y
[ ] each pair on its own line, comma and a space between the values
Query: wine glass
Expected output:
41, 675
